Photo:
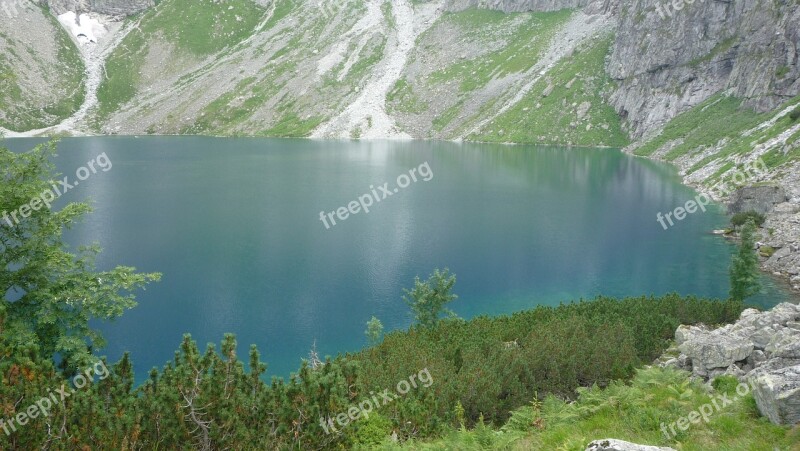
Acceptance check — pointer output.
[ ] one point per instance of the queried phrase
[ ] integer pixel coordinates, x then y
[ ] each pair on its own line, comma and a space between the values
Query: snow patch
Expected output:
85, 28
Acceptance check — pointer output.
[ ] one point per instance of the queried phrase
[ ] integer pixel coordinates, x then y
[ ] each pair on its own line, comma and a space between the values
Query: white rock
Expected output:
611, 444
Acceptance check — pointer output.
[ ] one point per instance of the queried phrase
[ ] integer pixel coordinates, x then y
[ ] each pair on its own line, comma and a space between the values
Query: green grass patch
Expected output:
291, 125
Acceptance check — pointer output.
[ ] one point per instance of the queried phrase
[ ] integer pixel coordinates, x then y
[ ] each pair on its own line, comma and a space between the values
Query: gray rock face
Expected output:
761, 199
610, 444
777, 393
761, 347
667, 61
108, 7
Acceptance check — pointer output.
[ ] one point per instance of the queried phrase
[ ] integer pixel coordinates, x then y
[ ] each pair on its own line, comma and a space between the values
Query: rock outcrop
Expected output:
762, 348
761, 199
669, 59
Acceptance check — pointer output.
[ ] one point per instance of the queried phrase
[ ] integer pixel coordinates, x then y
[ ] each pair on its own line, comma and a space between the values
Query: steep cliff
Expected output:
668, 60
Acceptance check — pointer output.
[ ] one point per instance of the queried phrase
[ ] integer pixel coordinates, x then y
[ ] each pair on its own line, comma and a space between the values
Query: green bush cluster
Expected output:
739, 219
795, 114
494, 365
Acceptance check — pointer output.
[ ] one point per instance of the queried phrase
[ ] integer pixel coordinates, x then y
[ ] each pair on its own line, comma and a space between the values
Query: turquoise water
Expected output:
234, 225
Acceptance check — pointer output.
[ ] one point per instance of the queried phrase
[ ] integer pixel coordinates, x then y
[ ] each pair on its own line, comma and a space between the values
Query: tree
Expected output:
49, 294
428, 299
744, 266
374, 331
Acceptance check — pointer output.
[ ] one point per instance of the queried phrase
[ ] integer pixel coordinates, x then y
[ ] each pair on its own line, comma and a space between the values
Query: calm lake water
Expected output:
234, 226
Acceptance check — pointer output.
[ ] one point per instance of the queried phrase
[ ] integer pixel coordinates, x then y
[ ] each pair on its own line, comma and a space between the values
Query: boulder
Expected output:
761, 199
610, 444
714, 351
777, 393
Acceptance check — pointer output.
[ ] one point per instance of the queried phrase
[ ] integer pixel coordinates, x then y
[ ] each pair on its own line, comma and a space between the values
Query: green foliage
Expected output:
795, 114
374, 331
558, 349
371, 431
212, 400
744, 266
740, 219
428, 299
50, 294
725, 384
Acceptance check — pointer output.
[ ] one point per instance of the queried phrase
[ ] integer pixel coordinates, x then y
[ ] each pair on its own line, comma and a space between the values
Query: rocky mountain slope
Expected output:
451, 69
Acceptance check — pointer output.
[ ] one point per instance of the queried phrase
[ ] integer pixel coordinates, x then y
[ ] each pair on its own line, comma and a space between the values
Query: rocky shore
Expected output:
761, 348
775, 194
779, 237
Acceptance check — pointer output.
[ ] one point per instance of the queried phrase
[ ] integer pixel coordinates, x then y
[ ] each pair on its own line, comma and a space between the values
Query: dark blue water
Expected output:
233, 224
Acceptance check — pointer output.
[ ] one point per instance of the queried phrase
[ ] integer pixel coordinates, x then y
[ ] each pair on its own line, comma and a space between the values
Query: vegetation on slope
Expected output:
24, 106
197, 28
567, 106
453, 85
726, 128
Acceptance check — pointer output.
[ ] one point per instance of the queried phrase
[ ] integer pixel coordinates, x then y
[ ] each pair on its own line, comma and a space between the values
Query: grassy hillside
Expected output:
453, 73
567, 106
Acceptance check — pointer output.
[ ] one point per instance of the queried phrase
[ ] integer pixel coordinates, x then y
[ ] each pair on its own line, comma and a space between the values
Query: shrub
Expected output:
795, 115
740, 219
